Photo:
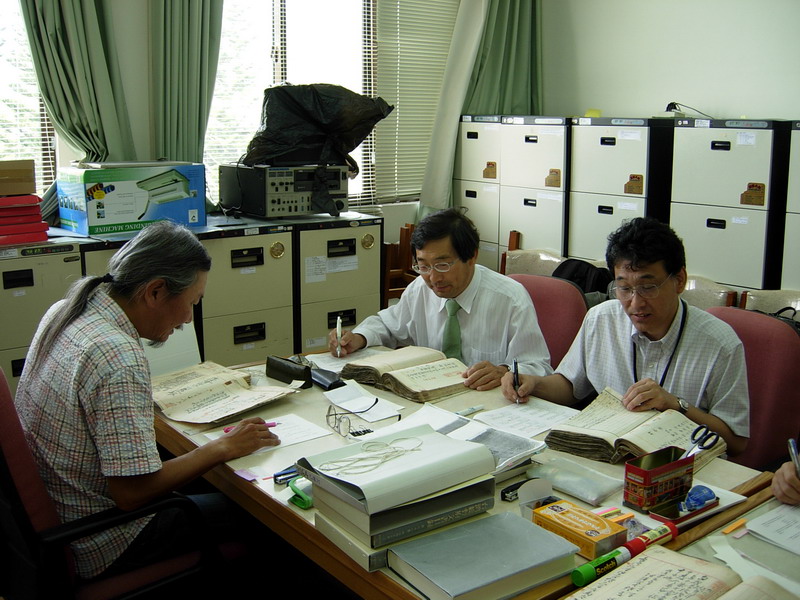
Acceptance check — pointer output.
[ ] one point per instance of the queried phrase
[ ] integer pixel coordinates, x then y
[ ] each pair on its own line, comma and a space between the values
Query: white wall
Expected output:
629, 58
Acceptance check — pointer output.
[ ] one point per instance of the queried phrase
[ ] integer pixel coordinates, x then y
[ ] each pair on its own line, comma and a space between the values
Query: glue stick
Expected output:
659, 535
585, 574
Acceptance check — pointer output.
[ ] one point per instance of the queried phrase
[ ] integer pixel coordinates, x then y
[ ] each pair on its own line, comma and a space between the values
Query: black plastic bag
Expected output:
314, 124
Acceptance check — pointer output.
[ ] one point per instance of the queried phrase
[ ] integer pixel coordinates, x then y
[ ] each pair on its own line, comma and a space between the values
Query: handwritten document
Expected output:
661, 574
208, 392
529, 419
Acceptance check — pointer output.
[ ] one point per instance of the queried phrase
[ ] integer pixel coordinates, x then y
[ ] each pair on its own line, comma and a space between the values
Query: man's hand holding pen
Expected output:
517, 388
345, 343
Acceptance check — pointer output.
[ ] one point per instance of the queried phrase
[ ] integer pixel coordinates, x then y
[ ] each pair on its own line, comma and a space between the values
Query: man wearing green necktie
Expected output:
464, 309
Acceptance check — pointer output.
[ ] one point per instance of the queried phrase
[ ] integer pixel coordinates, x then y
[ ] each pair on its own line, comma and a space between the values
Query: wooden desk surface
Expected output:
262, 499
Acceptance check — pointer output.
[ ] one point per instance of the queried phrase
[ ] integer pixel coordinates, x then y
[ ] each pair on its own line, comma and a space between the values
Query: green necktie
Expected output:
451, 340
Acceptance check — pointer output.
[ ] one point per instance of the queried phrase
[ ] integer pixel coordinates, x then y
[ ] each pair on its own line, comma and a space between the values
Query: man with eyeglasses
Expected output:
494, 313
650, 345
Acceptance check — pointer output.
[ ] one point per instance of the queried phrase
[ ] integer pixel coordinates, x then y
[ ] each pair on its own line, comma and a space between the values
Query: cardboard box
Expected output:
17, 177
114, 200
592, 534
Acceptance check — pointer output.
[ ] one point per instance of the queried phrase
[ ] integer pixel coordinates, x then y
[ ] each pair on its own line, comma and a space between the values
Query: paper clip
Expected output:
300, 498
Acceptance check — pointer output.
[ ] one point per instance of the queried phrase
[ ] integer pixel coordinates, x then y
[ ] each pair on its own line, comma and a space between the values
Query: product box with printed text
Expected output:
114, 200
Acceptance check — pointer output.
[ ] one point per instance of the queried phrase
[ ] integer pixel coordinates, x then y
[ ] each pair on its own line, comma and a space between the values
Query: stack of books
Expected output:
21, 220
392, 488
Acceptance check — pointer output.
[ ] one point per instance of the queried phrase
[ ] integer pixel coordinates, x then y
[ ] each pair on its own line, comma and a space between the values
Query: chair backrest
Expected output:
770, 301
560, 307
532, 262
705, 293
21, 465
772, 354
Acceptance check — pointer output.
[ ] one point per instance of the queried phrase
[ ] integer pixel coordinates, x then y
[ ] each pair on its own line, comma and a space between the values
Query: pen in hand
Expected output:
516, 377
338, 337
230, 428
793, 453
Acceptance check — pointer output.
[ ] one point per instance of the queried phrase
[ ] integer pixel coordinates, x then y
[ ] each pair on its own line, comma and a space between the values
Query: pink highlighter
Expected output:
230, 428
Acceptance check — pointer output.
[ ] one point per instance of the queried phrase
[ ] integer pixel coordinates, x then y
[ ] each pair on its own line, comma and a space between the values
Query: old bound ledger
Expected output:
607, 431
414, 372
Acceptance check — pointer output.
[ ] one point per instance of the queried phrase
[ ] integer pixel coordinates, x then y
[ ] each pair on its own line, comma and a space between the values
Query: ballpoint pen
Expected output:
338, 337
793, 453
230, 428
516, 377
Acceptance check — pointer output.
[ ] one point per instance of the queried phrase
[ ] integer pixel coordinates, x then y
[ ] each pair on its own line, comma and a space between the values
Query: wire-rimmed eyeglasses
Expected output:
441, 267
340, 421
645, 290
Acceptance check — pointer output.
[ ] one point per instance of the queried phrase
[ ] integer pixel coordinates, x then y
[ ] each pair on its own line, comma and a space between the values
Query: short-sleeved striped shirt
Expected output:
87, 413
707, 370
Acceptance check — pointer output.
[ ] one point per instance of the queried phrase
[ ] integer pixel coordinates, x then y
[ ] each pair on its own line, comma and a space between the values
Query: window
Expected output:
389, 48
25, 129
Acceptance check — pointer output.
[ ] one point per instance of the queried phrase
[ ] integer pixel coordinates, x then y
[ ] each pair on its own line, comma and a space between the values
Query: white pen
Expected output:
468, 411
338, 337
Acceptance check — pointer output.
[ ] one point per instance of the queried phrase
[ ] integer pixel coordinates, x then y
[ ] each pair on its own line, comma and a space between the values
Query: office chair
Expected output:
560, 307
772, 354
36, 560
704, 293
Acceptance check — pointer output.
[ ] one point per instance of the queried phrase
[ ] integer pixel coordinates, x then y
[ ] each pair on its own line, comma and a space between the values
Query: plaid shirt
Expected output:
708, 369
88, 414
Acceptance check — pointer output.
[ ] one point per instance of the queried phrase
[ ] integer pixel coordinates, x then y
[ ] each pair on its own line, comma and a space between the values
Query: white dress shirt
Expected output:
497, 319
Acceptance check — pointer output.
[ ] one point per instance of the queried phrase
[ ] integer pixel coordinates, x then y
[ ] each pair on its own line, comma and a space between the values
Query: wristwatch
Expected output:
683, 405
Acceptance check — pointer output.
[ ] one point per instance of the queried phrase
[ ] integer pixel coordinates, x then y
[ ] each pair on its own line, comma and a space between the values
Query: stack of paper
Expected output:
387, 489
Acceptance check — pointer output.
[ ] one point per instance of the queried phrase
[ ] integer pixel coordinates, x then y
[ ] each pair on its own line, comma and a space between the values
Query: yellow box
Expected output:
593, 534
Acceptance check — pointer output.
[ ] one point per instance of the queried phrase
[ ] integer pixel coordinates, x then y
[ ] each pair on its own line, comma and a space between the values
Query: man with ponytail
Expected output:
85, 400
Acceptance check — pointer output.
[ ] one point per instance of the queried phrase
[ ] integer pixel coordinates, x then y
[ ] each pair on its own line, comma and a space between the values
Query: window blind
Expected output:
412, 41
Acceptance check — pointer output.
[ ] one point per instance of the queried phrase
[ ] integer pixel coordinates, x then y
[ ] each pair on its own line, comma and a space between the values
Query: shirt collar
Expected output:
113, 312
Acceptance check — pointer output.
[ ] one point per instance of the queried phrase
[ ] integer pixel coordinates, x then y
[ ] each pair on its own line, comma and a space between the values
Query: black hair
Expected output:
452, 223
644, 241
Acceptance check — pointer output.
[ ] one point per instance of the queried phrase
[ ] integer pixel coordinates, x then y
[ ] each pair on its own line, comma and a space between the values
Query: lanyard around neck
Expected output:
684, 316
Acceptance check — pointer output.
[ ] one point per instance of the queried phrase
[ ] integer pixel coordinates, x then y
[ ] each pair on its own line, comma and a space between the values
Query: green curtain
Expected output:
76, 66
506, 72
185, 38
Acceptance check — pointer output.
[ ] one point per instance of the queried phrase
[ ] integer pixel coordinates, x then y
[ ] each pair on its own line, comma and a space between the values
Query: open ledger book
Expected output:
662, 573
605, 430
414, 372
210, 393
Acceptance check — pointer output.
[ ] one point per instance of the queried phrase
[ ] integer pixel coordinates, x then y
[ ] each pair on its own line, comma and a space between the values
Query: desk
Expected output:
296, 526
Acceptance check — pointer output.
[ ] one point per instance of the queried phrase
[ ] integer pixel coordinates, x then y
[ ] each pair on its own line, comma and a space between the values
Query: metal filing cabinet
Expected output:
619, 170
729, 198
476, 177
790, 276
34, 277
533, 181
337, 272
247, 309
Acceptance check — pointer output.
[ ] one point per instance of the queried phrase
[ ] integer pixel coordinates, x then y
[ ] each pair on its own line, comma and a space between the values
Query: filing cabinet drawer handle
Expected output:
720, 145
716, 223
529, 201
247, 257
472, 135
470, 193
243, 334
531, 139
608, 141
17, 279
345, 247
605, 210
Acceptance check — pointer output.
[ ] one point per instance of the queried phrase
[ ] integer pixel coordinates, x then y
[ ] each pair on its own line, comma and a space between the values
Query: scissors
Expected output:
702, 439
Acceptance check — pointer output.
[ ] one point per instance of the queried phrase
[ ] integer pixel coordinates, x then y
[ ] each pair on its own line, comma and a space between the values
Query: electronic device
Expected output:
270, 192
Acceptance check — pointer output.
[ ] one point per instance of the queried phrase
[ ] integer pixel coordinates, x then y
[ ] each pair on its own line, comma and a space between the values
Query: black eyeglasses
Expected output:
340, 421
